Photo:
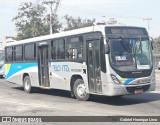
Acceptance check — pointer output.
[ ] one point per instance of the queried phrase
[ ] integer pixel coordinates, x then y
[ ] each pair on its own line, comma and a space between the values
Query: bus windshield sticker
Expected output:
143, 67
119, 58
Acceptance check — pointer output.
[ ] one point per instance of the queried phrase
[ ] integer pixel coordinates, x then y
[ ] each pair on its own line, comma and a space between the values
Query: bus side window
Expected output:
9, 54
18, 53
74, 47
58, 49
30, 52
75, 55
72, 53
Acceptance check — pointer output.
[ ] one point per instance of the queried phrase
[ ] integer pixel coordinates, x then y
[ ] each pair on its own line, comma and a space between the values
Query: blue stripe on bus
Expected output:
16, 67
128, 81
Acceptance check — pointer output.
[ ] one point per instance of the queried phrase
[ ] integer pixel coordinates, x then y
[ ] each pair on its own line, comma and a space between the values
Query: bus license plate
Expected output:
138, 91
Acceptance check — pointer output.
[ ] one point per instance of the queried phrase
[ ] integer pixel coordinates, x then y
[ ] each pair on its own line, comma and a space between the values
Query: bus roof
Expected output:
61, 34
65, 33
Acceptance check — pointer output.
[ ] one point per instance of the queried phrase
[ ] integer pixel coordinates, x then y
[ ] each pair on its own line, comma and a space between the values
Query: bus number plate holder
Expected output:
139, 91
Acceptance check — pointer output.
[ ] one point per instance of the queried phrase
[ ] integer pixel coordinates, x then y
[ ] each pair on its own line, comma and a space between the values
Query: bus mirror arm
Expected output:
152, 45
152, 42
107, 48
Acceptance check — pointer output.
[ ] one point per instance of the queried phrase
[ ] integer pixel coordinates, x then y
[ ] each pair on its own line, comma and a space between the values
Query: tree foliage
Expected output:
156, 45
75, 23
33, 20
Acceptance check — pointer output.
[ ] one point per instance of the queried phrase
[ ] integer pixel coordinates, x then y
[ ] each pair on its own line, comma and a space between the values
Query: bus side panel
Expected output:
14, 72
62, 72
153, 81
106, 80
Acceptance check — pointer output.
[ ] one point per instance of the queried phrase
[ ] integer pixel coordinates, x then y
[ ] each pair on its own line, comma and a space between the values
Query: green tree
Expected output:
32, 21
75, 23
156, 45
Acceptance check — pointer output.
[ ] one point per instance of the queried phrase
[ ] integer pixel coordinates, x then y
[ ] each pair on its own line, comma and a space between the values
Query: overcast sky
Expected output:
127, 12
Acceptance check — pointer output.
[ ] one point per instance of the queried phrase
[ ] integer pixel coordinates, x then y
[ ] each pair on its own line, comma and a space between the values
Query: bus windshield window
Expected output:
130, 54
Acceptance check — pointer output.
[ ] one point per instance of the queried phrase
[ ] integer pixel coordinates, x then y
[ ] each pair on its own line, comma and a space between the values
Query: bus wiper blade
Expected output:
138, 46
127, 48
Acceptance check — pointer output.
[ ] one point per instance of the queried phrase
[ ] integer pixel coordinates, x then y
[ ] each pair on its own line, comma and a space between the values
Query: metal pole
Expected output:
51, 31
51, 13
148, 19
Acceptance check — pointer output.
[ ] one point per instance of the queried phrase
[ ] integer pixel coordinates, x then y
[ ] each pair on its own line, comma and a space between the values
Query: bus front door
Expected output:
94, 66
43, 66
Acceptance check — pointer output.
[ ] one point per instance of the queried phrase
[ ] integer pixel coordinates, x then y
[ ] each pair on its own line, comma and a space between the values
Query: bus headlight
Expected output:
115, 79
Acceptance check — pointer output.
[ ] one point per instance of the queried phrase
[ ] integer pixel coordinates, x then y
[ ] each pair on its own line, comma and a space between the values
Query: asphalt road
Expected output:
15, 102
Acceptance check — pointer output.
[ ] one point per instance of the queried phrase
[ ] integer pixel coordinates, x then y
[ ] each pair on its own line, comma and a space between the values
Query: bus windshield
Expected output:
130, 54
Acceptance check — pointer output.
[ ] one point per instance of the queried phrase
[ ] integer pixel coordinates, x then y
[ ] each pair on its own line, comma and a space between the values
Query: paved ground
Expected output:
15, 102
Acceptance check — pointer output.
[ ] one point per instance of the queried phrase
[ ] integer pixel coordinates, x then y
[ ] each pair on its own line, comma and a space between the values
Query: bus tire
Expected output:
27, 84
79, 90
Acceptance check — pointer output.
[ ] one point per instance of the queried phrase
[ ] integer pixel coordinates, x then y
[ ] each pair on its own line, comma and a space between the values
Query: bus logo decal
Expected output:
56, 67
63, 68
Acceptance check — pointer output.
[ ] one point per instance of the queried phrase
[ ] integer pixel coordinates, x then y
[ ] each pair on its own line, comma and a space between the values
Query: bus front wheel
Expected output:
79, 90
27, 84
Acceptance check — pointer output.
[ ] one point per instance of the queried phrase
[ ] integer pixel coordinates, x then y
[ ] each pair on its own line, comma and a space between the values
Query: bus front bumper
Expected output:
131, 89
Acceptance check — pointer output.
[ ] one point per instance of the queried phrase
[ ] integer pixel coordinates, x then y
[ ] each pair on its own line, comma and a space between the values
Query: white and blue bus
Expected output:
102, 60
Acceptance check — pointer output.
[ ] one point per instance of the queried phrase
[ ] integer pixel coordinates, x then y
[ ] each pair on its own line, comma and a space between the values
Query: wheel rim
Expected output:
81, 90
27, 84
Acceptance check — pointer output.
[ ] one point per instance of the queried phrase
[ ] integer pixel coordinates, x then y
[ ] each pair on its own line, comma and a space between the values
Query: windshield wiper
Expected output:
138, 46
127, 48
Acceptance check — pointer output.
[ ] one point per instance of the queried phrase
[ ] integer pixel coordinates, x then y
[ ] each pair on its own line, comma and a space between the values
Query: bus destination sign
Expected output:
126, 31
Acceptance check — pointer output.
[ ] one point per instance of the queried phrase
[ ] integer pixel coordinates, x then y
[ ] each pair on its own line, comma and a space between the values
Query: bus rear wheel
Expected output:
79, 90
27, 84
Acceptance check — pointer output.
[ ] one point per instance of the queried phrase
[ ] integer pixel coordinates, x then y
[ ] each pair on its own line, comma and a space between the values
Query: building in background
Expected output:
5, 40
